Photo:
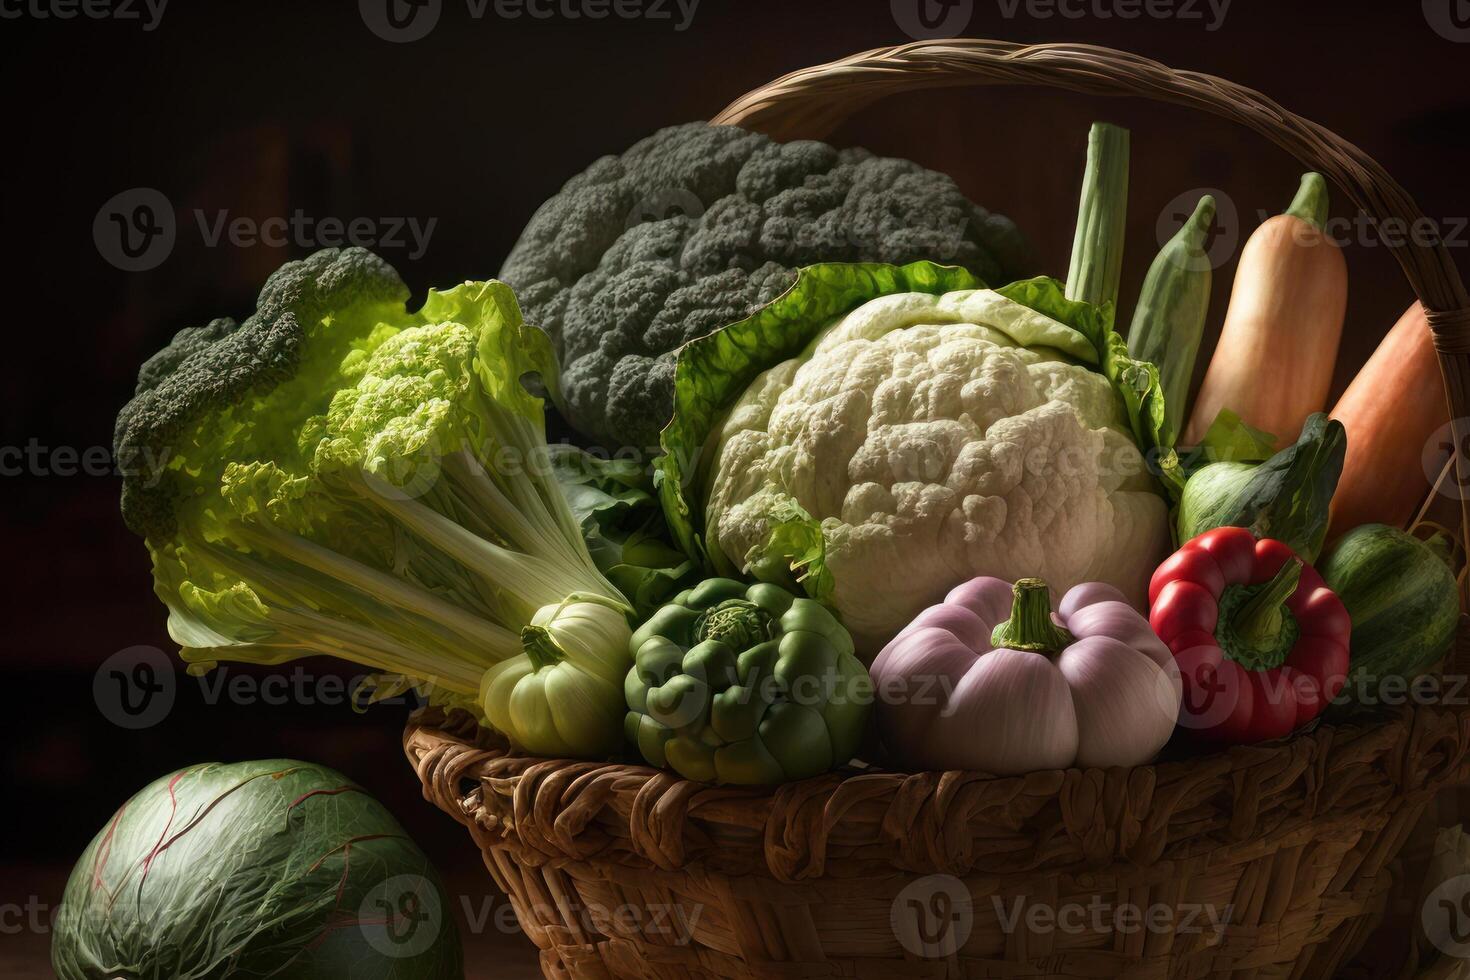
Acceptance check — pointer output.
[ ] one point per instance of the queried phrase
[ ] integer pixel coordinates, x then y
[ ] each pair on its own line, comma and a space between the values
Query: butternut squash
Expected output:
1273, 365
1394, 404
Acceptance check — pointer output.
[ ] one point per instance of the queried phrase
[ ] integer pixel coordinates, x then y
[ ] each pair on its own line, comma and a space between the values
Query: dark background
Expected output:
260, 108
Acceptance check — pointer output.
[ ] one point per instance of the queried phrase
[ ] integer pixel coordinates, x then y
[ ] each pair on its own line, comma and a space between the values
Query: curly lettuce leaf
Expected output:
614, 502
1230, 439
794, 553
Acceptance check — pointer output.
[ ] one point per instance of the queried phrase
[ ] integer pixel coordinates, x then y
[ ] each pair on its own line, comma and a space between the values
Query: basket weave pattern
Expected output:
625, 871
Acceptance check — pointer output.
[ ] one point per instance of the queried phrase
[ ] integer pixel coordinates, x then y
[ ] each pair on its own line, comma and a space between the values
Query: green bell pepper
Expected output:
745, 684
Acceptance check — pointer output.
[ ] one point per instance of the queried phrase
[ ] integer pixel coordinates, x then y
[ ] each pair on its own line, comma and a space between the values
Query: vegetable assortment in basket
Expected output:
878, 481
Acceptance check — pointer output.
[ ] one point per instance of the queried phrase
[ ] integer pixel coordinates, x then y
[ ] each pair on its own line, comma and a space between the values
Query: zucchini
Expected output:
1401, 595
1170, 317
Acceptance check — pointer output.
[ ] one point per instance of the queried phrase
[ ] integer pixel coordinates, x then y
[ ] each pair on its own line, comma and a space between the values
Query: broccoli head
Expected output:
197, 392
696, 227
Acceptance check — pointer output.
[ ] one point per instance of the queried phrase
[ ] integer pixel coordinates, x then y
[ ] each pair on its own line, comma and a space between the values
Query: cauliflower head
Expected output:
698, 226
936, 438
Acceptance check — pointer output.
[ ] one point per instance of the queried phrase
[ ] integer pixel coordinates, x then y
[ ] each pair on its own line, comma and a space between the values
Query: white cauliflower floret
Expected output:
933, 448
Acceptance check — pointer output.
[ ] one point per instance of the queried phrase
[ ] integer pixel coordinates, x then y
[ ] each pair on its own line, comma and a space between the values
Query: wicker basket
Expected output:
1263, 861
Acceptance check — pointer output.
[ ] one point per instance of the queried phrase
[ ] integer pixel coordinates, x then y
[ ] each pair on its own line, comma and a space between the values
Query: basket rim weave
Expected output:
546, 809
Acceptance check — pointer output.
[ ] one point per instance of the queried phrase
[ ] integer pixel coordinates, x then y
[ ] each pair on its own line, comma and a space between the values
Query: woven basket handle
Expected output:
811, 102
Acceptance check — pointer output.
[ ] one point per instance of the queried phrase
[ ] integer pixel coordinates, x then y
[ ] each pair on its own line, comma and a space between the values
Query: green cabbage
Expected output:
272, 868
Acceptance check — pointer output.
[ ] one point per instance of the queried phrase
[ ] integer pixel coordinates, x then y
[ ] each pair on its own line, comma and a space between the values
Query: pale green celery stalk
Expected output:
530, 580
282, 584
532, 495
533, 526
388, 589
538, 492
388, 639
1097, 247
1170, 317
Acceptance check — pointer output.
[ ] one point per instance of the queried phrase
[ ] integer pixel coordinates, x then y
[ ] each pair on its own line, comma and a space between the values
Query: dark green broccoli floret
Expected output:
696, 227
204, 370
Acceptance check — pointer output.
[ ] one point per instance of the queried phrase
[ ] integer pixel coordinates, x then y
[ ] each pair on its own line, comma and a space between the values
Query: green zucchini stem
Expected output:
1097, 248
1310, 203
1196, 229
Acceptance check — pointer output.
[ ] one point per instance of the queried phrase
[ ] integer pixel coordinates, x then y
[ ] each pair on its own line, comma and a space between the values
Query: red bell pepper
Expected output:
1261, 642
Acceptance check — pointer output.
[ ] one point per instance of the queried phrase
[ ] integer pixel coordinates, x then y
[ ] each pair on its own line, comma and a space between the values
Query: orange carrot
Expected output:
1393, 406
